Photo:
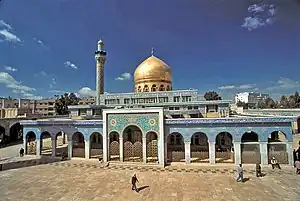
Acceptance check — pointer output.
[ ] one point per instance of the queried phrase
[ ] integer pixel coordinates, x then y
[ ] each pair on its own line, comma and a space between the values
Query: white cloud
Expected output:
70, 65
86, 91
9, 36
57, 91
41, 43
9, 68
41, 73
247, 86
252, 23
255, 8
53, 82
124, 76
17, 87
5, 25
284, 83
243, 86
261, 15
227, 87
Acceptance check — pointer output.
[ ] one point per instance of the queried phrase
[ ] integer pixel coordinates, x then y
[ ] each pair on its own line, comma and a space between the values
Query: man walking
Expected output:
240, 176
133, 182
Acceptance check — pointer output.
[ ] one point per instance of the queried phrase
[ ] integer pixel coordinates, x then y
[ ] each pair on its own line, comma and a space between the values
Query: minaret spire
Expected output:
100, 57
152, 51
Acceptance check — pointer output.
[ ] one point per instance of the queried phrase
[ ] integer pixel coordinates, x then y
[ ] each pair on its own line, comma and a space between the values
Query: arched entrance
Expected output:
133, 147
96, 146
223, 147
30, 143
277, 147
114, 146
60, 145
78, 145
46, 144
199, 148
16, 132
250, 148
175, 147
152, 148
3, 137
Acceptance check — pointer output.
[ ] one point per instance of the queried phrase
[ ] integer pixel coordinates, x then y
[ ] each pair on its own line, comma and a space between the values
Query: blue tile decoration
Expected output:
231, 120
146, 122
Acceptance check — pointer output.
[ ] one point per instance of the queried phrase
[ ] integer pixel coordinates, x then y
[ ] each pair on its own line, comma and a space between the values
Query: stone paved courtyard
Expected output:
86, 181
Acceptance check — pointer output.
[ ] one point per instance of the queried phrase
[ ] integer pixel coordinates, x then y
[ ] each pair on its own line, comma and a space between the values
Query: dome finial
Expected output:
152, 51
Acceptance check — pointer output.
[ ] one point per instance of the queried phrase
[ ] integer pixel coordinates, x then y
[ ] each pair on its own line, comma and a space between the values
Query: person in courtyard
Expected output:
275, 163
133, 182
240, 176
258, 170
297, 166
21, 152
295, 156
63, 156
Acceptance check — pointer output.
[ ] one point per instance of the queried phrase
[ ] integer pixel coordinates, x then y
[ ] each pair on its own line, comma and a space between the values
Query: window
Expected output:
146, 88
153, 88
161, 88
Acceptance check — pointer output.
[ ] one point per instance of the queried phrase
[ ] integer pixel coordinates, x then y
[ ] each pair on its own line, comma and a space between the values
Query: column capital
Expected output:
263, 142
187, 142
236, 142
211, 142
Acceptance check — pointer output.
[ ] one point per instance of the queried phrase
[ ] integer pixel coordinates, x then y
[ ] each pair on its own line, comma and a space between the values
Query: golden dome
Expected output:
152, 70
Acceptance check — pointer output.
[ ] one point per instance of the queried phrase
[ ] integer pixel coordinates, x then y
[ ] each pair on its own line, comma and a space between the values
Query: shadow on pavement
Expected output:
142, 188
28, 163
4, 145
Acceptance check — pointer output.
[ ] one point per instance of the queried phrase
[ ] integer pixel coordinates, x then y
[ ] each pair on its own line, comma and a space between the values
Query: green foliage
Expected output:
212, 95
62, 102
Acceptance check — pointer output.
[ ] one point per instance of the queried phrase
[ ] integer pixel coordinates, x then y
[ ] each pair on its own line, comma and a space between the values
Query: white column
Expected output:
187, 150
25, 143
70, 148
38, 147
107, 152
144, 149
263, 148
212, 152
121, 149
289, 150
63, 135
166, 150
87, 150
53, 140
237, 152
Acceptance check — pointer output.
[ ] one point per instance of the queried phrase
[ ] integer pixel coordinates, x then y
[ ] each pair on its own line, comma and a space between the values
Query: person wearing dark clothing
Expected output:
133, 182
295, 156
297, 166
275, 164
21, 152
64, 156
258, 170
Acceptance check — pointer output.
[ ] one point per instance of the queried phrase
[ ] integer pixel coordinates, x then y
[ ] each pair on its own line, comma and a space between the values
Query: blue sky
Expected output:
47, 47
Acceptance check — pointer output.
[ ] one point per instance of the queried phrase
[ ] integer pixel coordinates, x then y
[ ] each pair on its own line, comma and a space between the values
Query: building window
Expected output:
139, 89
161, 88
153, 88
168, 88
146, 88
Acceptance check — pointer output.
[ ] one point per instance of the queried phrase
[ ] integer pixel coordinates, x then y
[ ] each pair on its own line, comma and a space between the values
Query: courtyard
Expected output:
49, 179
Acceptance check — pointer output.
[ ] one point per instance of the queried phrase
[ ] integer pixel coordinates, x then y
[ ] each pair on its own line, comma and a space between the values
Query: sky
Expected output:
229, 46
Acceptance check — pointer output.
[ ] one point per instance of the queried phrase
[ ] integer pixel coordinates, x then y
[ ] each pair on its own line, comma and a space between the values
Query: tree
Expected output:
284, 102
212, 95
270, 103
62, 103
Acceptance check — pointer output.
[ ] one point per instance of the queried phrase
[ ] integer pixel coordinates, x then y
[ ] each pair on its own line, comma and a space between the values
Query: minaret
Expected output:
100, 56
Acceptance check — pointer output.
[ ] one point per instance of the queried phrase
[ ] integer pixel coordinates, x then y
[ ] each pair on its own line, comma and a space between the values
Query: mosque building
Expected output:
159, 125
